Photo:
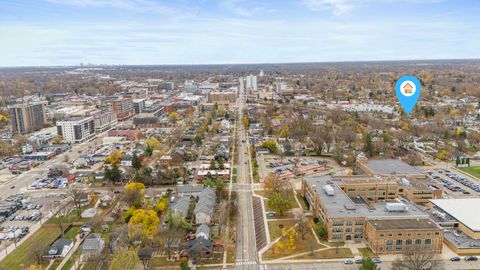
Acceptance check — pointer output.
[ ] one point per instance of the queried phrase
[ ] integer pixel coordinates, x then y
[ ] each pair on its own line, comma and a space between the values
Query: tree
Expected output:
321, 231
161, 205
134, 194
273, 183
58, 140
148, 220
125, 259
184, 265
173, 117
368, 264
153, 142
418, 260
77, 192
114, 158
279, 246
245, 121
113, 174
279, 203
35, 267
271, 145
303, 225
368, 147
291, 239
149, 150
136, 162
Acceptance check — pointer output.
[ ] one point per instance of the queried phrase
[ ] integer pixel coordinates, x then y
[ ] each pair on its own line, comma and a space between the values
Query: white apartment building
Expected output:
77, 129
252, 82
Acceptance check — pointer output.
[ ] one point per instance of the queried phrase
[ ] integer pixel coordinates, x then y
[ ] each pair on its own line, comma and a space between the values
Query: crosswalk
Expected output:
240, 263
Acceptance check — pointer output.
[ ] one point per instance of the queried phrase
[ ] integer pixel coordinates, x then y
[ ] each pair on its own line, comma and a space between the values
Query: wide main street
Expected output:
246, 252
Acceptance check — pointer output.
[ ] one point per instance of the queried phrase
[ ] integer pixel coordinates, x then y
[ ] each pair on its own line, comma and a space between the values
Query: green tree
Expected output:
184, 265
321, 231
113, 174
271, 145
368, 264
136, 162
369, 147
149, 150
279, 203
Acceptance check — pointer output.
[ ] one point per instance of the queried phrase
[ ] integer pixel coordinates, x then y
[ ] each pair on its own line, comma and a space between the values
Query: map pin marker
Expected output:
408, 91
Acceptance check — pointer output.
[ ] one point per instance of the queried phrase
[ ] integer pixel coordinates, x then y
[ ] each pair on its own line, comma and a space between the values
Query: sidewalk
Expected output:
78, 241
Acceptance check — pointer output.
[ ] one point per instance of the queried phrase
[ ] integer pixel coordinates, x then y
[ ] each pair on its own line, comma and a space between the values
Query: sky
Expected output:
155, 32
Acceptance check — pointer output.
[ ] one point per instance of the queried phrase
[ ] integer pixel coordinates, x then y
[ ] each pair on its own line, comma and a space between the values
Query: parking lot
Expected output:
289, 166
455, 185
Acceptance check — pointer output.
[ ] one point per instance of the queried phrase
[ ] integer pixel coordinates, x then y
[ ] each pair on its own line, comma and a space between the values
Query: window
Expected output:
437, 233
349, 223
409, 242
390, 234
418, 243
389, 244
399, 234
399, 244
428, 243
382, 235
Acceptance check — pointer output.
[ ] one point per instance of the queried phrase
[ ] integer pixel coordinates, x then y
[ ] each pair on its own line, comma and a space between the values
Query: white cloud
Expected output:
338, 7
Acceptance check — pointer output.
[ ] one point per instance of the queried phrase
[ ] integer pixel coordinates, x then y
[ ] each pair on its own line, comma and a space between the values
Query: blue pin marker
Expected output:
408, 91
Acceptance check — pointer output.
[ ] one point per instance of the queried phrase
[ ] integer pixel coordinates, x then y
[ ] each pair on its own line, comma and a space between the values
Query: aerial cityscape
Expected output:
141, 134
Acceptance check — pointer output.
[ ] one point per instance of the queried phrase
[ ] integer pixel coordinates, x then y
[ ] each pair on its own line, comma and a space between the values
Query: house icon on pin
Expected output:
407, 89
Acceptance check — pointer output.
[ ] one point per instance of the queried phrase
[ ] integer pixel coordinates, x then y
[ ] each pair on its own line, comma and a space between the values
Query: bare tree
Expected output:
77, 192
302, 223
418, 260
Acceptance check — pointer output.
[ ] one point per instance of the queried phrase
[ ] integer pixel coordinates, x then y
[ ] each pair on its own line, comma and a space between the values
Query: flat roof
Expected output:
391, 166
403, 224
463, 210
341, 206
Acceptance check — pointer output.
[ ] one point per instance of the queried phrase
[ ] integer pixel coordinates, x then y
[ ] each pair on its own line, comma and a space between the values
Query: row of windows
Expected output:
409, 244
409, 234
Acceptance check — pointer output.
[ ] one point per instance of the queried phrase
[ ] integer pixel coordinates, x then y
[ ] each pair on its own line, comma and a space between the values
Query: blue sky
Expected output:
69, 32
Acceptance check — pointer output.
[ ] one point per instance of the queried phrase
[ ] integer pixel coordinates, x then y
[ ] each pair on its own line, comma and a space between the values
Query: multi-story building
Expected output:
27, 117
76, 129
251, 83
346, 216
403, 235
222, 97
122, 107
104, 121
413, 184
138, 105
169, 86
372, 189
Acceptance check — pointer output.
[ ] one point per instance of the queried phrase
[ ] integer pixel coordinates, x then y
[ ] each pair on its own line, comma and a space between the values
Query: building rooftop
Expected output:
462, 210
403, 224
391, 166
340, 205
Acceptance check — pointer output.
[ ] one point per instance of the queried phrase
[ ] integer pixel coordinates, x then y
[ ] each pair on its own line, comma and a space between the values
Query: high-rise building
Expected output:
252, 83
138, 105
27, 117
123, 107
76, 129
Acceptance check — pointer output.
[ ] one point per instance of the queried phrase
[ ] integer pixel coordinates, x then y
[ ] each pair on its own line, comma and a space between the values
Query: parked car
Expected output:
358, 261
455, 259
377, 260
471, 258
348, 261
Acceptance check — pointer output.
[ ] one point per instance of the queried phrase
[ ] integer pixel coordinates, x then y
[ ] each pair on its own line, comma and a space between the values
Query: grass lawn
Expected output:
276, 231
76, 255
308, 244
263, 193
70, 234
475, 171
25, 253
332, 253
71, 217
366, 252
302, 201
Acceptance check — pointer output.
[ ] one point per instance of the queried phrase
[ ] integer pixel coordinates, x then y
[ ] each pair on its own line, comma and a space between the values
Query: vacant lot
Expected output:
332, 253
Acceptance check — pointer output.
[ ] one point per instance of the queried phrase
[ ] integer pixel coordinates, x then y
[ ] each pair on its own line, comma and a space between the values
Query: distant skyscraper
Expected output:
27, 117
261, 74
252, 82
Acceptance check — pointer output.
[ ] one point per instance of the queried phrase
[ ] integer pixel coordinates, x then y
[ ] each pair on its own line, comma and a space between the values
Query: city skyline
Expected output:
142, 32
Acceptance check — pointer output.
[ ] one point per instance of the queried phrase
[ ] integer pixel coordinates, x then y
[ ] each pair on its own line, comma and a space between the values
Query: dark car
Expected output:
455, 259
358, 261
471, 258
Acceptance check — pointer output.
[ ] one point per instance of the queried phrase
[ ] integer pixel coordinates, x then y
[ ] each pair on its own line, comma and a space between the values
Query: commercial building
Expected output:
146, 120
27, 117
353, 218
104, 121
122, 107
77, 129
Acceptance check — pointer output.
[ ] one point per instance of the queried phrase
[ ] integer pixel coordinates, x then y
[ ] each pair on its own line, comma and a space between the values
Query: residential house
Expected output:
205, 206
93, 245
58, 249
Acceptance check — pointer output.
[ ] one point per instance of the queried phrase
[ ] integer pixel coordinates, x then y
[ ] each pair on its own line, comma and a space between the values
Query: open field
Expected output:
302, 245
331, 253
